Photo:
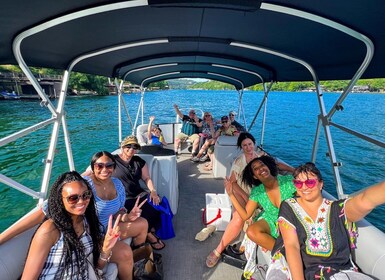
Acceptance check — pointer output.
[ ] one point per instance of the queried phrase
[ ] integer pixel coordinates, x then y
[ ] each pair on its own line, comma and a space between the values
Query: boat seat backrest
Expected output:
225, 152
141, 134
13, 254
369, 254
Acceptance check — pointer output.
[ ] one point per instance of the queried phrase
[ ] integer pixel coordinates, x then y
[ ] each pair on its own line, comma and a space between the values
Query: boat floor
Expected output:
184, 257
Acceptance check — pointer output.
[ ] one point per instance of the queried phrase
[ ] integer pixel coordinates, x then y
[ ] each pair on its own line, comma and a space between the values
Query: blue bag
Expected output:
166, 230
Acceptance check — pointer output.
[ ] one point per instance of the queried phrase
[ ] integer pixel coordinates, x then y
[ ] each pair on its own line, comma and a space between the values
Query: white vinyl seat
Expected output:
225, 152
141, 134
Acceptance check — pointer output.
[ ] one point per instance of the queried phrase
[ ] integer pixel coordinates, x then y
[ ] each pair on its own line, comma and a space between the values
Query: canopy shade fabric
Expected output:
248, 41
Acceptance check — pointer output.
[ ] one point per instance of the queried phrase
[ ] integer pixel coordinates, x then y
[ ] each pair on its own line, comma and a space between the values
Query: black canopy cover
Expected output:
236, 41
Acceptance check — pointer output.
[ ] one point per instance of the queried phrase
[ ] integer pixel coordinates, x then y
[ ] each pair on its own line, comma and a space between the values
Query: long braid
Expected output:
73, 261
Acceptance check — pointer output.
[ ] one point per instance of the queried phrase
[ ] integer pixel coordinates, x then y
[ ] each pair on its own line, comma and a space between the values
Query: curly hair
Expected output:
248, 175
73, 249
308, 168
98, 155
242, 136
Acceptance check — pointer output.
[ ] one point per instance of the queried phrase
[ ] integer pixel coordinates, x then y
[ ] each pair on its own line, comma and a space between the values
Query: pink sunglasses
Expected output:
310, 183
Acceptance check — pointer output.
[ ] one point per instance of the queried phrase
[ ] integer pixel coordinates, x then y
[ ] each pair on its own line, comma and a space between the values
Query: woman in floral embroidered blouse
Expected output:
317, 234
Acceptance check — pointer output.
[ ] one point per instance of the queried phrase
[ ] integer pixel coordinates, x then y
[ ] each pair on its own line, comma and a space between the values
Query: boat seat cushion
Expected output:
225, 151
141, 134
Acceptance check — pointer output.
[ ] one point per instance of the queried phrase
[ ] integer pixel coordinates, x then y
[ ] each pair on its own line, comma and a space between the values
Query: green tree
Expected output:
80, 81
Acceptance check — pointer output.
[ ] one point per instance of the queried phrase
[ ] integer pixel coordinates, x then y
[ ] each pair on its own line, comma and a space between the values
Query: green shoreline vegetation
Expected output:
365, 85
99, 84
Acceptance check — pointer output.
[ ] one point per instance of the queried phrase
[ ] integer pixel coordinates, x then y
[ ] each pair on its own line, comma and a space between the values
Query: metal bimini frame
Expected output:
240, 110
58, 114
324, 117
143, 89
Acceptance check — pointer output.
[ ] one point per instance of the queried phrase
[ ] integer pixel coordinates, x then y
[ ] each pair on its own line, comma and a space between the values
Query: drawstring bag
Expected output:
166, 230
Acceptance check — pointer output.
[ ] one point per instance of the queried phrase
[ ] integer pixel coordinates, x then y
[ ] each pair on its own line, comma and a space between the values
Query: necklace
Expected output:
100, 183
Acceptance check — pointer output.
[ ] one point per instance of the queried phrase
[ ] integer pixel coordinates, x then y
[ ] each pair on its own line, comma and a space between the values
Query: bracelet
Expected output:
153, 191
105, 259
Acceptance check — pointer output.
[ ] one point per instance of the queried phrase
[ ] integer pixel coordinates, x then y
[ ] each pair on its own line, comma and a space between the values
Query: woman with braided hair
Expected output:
69, 241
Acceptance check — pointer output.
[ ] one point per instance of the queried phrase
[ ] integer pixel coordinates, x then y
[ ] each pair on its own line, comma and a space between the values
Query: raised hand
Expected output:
228, 185
135, 211
152, 118
112, 234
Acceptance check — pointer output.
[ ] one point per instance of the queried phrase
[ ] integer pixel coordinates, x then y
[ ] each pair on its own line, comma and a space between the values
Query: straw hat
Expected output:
130, 140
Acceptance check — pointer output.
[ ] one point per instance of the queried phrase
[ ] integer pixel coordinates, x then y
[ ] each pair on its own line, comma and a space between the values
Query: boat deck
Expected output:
184, 257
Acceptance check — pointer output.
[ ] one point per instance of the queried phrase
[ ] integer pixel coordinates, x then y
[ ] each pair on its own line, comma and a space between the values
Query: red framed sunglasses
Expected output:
310, 183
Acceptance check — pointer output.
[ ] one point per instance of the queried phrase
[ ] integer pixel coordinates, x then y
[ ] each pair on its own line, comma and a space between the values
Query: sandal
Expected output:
158, 244
213, 258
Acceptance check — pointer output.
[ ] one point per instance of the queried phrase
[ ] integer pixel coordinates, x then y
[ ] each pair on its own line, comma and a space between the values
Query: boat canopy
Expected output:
241, 42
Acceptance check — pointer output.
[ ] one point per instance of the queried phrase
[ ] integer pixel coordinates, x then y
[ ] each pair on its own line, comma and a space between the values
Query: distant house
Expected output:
361, 88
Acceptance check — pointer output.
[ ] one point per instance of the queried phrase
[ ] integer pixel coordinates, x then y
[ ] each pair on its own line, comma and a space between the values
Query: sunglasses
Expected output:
232, 115
101, 165
224, 121
310, 183
132, 146
74, 198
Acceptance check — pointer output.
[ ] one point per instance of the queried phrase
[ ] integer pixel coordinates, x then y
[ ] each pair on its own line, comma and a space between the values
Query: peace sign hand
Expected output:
135, 211
112, 235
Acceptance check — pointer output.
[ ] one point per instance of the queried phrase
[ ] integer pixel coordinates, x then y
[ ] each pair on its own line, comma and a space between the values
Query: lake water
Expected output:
290, 129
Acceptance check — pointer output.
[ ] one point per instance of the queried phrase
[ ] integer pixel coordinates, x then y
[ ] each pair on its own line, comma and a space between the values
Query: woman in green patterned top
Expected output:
268, 190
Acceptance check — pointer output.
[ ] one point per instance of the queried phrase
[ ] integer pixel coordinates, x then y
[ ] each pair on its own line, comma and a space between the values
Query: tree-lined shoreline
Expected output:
98, 84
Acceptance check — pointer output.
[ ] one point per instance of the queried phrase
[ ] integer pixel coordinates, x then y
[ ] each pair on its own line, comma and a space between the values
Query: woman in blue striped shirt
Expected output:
110, 197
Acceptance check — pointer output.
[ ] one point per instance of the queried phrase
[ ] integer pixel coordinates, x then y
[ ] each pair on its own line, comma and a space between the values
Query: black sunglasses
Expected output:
101, 165
74, 198
132, 146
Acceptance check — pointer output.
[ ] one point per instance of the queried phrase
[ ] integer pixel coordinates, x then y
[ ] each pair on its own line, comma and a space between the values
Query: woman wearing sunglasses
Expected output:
110, 198
317, 233
246, 143
131, 169
268, 190
69, 243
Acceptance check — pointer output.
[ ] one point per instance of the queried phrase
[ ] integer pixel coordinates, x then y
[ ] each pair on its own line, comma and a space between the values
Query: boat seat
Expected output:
163, 169
226, 151
369, 254
167, 132
141, 134
13, 254
164, 174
